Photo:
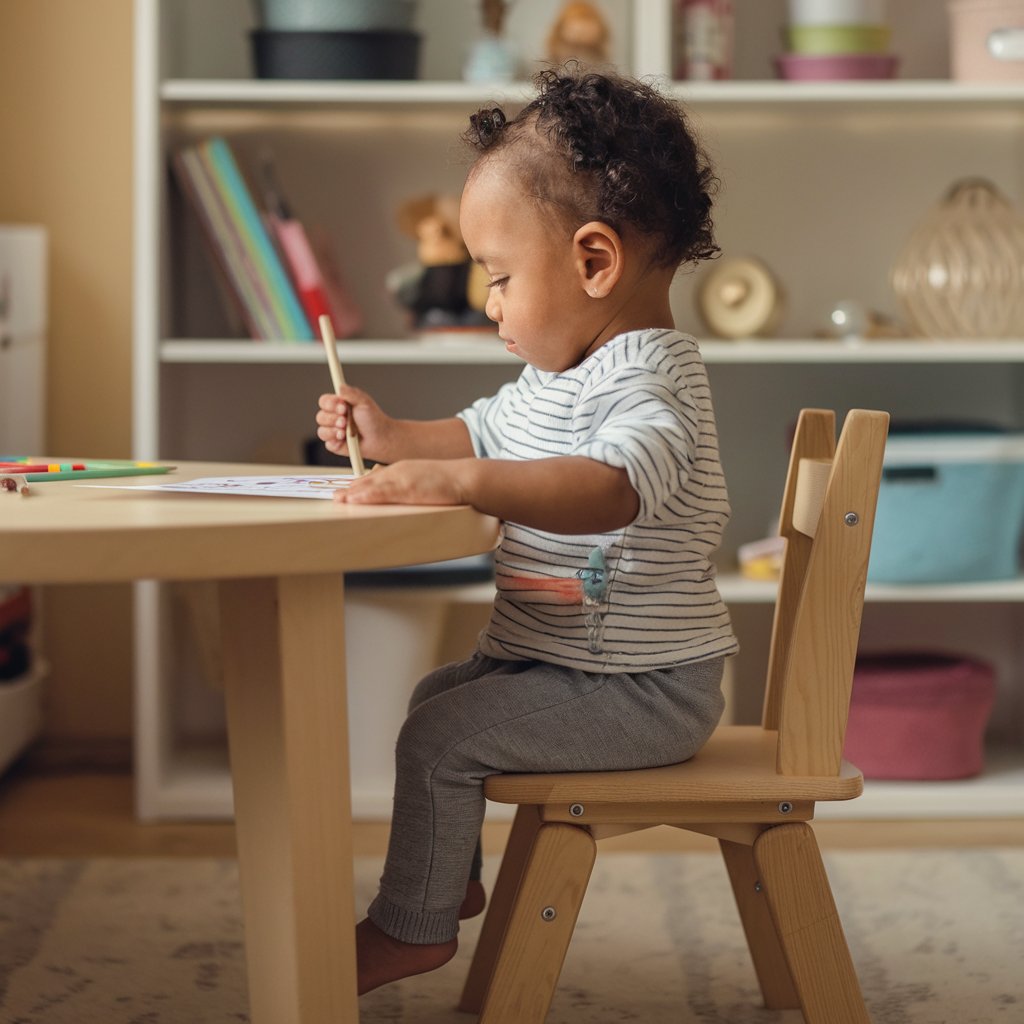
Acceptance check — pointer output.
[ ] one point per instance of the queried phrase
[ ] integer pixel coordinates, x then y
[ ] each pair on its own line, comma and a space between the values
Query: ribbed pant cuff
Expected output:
423, 927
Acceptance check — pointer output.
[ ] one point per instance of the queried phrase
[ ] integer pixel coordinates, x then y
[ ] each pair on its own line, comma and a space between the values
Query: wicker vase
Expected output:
961, 273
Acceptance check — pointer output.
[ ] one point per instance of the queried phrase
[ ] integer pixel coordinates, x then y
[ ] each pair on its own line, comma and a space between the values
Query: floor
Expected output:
89, 814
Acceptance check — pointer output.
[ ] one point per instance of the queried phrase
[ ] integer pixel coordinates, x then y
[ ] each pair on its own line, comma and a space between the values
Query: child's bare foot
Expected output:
474, 901
380, 958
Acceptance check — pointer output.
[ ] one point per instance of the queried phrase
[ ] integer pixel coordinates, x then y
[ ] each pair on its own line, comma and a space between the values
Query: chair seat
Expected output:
737, 765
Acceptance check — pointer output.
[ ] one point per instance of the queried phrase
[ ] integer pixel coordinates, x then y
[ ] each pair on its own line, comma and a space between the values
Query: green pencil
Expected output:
96, 471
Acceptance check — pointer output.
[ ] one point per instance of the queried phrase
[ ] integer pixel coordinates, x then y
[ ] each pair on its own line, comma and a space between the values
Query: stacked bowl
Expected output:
832, 40
361, 39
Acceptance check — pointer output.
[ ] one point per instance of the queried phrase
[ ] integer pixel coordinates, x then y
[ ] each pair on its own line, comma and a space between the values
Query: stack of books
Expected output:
270, 268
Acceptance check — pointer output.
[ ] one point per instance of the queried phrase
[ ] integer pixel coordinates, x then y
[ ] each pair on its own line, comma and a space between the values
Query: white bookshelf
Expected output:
823, 181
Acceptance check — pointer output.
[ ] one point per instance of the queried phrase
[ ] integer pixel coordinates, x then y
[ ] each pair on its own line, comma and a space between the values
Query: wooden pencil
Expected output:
338, 379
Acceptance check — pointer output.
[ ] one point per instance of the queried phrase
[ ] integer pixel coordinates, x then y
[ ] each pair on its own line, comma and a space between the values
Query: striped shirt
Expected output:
643, 596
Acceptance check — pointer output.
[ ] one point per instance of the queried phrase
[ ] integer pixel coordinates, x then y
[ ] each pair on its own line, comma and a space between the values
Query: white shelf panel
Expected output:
737, 589
488, 350
268, 93
994, 591
199, 786
771, 93
997, 793
920, 350
912, 92
195, 785
382, 352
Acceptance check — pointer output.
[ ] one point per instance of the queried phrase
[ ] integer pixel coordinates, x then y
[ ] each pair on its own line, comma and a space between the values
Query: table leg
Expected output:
284, 667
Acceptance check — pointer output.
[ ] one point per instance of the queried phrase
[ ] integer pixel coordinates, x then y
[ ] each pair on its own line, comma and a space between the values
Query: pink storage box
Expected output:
919, 716
974, 53
836, 67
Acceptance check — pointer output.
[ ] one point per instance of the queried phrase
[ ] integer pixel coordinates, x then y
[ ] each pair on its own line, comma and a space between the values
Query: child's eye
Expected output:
498, 282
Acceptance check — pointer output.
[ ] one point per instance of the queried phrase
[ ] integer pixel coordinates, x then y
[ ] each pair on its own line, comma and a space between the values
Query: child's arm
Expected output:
383, 438
567, 494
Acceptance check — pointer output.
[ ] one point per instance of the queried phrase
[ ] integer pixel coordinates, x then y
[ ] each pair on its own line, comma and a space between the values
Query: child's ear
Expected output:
599, 256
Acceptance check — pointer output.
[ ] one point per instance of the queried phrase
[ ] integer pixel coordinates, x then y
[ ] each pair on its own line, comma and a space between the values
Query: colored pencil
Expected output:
338, 379
41, 467
95, 471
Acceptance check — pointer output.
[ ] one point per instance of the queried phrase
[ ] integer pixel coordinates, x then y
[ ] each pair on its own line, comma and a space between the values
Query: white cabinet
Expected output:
823, 182
23, 305
23, 309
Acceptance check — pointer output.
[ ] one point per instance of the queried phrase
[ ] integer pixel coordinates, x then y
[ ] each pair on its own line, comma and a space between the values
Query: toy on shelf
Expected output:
959, 274
444, 289
579, 33
739, 297
492, 58
762, 559
703, 44
853, 320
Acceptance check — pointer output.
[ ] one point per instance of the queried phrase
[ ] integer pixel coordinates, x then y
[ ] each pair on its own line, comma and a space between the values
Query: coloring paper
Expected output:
260, 486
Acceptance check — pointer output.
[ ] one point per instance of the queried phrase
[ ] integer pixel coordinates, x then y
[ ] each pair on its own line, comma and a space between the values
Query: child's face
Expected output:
536, 295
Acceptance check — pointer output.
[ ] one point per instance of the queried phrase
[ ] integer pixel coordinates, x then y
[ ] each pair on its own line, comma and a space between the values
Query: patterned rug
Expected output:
937, 937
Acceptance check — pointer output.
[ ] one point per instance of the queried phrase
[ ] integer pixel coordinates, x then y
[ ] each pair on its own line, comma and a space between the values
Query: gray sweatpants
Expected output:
474, 718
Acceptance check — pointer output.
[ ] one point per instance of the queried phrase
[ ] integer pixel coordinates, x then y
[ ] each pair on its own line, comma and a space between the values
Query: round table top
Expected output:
65, 531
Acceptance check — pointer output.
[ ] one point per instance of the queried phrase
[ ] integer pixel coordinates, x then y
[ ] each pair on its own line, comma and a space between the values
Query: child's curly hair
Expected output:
617, 151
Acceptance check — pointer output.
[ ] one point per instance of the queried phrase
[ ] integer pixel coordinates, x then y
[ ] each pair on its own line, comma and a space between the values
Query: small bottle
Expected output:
704, 51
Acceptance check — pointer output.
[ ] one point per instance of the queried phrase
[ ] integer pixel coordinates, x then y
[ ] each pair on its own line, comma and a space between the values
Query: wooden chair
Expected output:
753, 787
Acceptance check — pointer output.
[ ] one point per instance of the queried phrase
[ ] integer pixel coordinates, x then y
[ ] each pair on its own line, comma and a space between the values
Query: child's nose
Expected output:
492, 308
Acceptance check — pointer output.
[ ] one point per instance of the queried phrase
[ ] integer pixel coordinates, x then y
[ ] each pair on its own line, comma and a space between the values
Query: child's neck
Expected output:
636, 306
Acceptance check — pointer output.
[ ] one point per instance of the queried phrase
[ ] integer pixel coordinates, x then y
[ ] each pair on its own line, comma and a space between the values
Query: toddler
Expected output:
605, 646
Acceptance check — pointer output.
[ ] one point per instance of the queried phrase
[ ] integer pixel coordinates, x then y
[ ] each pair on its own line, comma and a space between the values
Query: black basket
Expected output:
335, 55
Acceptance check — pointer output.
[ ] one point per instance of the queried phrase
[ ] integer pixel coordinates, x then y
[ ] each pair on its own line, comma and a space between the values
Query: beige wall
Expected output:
66, 163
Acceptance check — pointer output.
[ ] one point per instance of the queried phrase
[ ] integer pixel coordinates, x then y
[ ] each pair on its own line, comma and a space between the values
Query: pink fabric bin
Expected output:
919, 716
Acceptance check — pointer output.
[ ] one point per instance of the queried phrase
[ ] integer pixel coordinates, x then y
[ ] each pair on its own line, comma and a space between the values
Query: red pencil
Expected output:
40, 467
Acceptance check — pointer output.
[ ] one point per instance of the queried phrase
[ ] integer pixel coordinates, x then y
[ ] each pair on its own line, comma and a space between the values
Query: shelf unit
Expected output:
801, 163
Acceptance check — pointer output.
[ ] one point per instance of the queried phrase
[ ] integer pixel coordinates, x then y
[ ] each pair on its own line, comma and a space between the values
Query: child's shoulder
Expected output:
655, 348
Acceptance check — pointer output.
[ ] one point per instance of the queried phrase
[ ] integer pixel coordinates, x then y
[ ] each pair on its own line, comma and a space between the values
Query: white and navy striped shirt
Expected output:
641, 597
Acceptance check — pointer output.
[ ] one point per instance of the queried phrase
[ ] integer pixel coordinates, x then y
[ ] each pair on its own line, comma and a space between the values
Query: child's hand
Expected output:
412, 482
371, 423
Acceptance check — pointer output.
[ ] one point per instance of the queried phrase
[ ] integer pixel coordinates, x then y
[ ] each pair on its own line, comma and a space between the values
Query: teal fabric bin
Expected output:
950, 508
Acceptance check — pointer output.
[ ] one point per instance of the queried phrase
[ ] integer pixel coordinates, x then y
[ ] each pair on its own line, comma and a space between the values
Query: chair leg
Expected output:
765, 949
499, 907
541, 925
807, 923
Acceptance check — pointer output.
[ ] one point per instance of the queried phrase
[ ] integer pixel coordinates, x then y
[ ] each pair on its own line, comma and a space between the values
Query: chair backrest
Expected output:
827, 517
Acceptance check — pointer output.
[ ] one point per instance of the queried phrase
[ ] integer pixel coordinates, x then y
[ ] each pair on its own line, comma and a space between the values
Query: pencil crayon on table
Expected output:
42, 467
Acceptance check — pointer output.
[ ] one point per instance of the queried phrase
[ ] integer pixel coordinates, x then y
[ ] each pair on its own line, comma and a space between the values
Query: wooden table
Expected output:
279, 564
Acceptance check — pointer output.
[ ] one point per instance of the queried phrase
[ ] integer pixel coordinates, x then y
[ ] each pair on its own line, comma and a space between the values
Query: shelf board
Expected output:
485, 350
737, 589
765, 93
996, 793
488, 350
268, 93
198, 786
889, 93
907, 350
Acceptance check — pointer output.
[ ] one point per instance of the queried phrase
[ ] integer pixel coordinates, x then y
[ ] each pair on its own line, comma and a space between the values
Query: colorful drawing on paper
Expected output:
255, 486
